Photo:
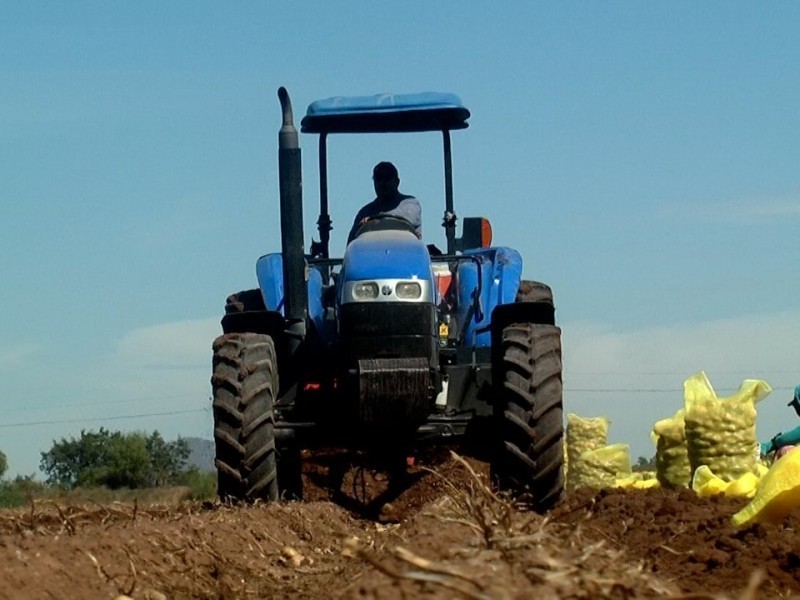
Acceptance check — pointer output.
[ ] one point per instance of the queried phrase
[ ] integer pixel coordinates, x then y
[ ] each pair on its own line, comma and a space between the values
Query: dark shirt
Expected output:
401, 205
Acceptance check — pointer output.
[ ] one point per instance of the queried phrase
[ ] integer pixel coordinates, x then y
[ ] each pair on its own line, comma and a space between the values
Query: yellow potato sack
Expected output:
721, 432
601, 468
672, 454
582, 435
778, 493
705, 483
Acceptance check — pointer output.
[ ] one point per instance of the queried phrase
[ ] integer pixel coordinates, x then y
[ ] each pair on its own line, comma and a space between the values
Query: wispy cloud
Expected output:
16, 355
168, 345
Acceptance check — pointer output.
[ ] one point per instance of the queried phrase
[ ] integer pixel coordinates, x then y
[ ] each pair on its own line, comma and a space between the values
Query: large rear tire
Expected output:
534, 291
529, 460
245, 384
244, 301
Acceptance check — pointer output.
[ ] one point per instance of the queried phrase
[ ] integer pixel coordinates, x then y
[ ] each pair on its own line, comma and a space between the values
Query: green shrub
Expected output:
203, 484
20, 491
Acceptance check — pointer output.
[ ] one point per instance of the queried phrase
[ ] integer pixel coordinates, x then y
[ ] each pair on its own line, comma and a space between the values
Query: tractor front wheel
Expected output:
529, 414
245, 385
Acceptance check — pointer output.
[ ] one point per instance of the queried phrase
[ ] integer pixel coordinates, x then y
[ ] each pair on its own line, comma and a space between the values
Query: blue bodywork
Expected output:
500, 275
269, 271
386, 255
400, 255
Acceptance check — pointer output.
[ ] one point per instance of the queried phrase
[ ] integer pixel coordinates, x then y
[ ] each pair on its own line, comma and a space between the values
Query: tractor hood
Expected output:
386, 255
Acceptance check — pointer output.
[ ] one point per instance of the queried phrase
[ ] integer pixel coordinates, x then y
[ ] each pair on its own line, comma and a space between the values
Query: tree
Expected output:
128, 462
78, 462
645, 464
114, 459
167, 459
3, 464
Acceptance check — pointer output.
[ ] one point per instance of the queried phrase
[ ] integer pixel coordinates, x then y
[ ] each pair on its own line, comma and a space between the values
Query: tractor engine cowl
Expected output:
389, 254
386, 298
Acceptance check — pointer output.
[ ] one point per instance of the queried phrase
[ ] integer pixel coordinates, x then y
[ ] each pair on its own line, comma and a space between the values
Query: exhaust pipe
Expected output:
295, 292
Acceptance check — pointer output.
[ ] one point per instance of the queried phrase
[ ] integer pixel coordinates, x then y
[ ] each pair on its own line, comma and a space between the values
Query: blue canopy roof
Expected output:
427, 111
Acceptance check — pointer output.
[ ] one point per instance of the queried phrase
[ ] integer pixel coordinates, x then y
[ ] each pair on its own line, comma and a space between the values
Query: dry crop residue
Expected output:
446, 536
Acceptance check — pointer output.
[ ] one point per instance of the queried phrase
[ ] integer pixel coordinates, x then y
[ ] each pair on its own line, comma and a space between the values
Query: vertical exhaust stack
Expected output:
295, 292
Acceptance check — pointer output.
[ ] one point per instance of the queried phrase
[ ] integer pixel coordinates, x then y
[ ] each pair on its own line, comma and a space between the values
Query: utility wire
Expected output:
645, 390
102, 403
197, 410
97, 419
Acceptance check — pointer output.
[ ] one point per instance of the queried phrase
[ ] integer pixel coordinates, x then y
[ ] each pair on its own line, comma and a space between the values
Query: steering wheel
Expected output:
386, 222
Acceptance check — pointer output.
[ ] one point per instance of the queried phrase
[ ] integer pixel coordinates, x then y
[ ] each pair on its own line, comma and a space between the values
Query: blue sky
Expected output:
642, 157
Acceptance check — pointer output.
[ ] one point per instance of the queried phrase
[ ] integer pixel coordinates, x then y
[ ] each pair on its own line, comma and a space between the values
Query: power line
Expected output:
646, 390
103, 402
197, 410
683, 373
98, 419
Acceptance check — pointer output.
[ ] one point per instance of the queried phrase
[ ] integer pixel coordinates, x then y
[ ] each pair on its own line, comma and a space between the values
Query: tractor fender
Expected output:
480, 294
269, 271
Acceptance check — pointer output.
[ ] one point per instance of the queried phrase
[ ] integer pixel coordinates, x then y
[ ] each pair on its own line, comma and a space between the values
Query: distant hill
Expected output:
201, 454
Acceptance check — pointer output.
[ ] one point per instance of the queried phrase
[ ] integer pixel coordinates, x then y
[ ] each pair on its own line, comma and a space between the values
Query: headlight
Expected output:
408, 290
365, 291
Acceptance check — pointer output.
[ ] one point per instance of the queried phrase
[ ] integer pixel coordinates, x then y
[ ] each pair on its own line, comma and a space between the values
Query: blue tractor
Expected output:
393, 346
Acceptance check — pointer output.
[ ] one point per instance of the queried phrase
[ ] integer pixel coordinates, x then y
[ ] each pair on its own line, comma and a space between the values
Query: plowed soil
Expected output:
445, 536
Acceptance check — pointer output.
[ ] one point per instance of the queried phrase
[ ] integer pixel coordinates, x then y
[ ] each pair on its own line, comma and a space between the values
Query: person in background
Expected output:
388, 201
783, 442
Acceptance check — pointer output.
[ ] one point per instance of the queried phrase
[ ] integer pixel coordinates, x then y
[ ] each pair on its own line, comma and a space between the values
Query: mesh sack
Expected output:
721, 432
602, 467
583, 434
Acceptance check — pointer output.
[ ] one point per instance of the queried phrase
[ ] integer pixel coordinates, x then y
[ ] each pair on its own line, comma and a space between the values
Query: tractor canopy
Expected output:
384, 113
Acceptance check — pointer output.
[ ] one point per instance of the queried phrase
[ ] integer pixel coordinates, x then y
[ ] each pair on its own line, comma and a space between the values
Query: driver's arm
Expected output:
411, 210
361, 218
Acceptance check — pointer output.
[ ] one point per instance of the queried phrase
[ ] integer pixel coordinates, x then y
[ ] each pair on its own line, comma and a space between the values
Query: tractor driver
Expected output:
388, 201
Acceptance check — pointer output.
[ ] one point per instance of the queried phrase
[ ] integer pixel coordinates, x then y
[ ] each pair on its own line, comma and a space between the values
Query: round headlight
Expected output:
408, 290
365, 291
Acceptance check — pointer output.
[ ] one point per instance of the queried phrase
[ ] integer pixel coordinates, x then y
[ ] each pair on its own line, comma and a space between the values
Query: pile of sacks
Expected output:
719, 452
711, 442
709, 445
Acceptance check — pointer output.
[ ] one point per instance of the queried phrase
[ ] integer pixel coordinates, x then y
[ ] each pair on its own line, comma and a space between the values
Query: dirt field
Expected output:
446, 536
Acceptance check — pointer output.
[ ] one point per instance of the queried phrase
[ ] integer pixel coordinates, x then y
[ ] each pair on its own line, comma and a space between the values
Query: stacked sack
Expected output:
672, 452
583, 435
601, 468
721, 432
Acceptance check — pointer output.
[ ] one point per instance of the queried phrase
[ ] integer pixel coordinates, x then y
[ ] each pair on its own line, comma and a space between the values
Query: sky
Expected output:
641, 156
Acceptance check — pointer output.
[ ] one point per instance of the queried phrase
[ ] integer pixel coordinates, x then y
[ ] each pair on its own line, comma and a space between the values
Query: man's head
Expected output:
385, 179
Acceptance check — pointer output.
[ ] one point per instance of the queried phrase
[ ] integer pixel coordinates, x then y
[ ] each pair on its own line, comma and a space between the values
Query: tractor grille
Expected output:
393, 391
387, 318
389, 330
